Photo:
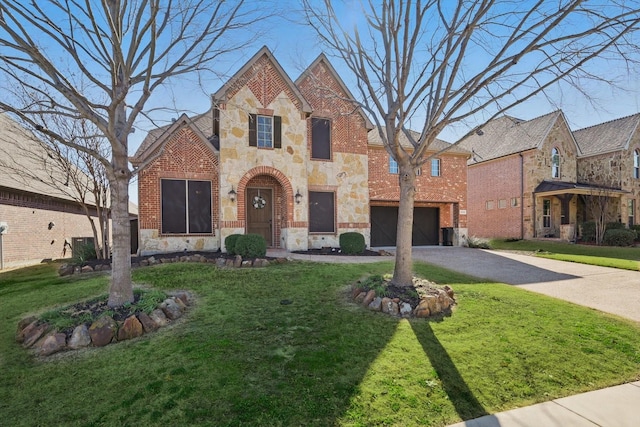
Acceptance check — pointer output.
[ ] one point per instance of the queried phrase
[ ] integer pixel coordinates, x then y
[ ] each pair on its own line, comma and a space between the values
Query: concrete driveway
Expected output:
606, 289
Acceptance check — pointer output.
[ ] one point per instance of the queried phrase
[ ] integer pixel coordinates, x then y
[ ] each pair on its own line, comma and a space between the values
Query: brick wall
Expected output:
183, 156
447, 191
29, 239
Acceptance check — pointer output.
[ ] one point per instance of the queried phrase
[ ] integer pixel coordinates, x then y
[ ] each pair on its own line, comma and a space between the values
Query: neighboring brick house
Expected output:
524, 181
611, 158
287, 160
39, 218
440, 198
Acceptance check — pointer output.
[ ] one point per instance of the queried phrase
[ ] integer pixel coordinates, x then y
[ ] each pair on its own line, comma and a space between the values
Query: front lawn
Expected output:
605, 256
243, 358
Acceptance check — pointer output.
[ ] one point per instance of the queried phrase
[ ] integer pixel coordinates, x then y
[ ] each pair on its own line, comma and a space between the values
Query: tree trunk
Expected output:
121, 290
403, 272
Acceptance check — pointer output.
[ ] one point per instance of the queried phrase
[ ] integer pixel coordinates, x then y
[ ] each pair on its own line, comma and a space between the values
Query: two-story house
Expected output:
526, 179
291, 161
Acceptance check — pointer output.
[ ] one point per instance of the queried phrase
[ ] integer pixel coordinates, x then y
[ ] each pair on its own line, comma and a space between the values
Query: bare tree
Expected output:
63, 171
125, 51
432, 64
601, 207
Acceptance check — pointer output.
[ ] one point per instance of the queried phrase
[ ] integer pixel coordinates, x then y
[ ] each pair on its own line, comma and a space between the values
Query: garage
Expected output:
384, 223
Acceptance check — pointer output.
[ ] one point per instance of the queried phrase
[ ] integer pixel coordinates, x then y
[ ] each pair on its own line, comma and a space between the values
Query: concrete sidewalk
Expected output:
606, 289
610, 407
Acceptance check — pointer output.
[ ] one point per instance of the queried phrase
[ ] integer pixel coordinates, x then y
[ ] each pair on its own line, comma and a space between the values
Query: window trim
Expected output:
187, 221
546, 213
394, 169
333, 212
329, 142
276, 131
436, 162
555, 162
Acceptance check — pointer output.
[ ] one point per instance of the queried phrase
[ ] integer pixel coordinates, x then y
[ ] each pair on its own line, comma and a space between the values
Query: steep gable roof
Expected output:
607, 137
237, 80
436, 146
322, 59
508, 135
201, 124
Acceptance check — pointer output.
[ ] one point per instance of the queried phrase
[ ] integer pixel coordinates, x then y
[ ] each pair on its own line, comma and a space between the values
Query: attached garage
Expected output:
384, 223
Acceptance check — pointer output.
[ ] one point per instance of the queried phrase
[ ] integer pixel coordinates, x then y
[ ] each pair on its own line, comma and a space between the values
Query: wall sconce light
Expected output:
232, 194
298, 197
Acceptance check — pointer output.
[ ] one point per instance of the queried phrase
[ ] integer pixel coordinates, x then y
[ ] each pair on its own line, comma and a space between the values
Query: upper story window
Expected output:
555, 163
265, 131
393, 166
435, 167
186, 206
636, 164
320, 139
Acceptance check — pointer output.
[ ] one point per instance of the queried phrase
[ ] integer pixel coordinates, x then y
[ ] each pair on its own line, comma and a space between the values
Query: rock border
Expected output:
220, 262
44, 340
434, 302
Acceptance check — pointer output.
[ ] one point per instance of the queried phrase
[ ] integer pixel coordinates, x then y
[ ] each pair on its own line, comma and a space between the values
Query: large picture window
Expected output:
186, 206
322, 212
321, 139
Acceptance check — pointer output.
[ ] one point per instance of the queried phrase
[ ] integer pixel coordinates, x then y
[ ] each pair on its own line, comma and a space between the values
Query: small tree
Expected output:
600, 210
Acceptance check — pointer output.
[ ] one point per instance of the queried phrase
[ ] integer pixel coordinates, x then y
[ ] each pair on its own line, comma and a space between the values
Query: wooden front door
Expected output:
260, 219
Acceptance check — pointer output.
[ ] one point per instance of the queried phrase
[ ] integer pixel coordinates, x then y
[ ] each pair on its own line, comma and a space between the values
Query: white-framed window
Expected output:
555, 163
502, 203
393, 166
265, 131
636, 164
489, 205
631, 206
435, 167
546, 213
186, 206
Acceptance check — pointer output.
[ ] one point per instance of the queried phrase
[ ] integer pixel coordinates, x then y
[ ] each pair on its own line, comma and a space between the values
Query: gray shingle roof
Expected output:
607, 137
437, 145
508, 135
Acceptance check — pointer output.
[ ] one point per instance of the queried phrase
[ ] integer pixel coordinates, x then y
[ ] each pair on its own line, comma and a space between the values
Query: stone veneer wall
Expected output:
184, 156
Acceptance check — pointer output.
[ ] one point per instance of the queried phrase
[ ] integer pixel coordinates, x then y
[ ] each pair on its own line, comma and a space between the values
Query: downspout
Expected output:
521, 196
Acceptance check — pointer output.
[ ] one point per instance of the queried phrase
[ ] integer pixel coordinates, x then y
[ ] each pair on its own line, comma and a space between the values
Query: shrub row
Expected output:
616, 233
255, 246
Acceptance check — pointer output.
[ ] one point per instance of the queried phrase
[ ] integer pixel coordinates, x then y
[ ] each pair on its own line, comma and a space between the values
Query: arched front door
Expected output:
260, 212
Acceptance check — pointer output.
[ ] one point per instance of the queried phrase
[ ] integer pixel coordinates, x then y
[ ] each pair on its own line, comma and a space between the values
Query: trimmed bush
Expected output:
588, 231
636, 228
615, 226
619, 237
84, 253
352, 243
230, 243
251, 246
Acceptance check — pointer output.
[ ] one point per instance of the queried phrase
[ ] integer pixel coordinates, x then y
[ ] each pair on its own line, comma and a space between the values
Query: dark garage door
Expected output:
384, 222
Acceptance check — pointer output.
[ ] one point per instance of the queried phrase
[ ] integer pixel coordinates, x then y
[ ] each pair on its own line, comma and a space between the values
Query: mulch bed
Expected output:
335, 251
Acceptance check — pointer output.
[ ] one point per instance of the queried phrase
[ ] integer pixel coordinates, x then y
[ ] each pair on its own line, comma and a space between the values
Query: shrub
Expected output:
615, 226
84, 253
352, 243
619, 237
637, 230
230, 243
588, 232
478, 243
251, 246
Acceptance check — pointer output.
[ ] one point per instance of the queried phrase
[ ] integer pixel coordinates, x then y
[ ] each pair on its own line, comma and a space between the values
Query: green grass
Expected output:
242, 358
605, 256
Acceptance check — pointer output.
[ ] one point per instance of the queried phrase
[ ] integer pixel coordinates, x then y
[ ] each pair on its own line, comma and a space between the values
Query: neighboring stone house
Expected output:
39, 217
288, 160
611, 159
440, 198
524, 179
